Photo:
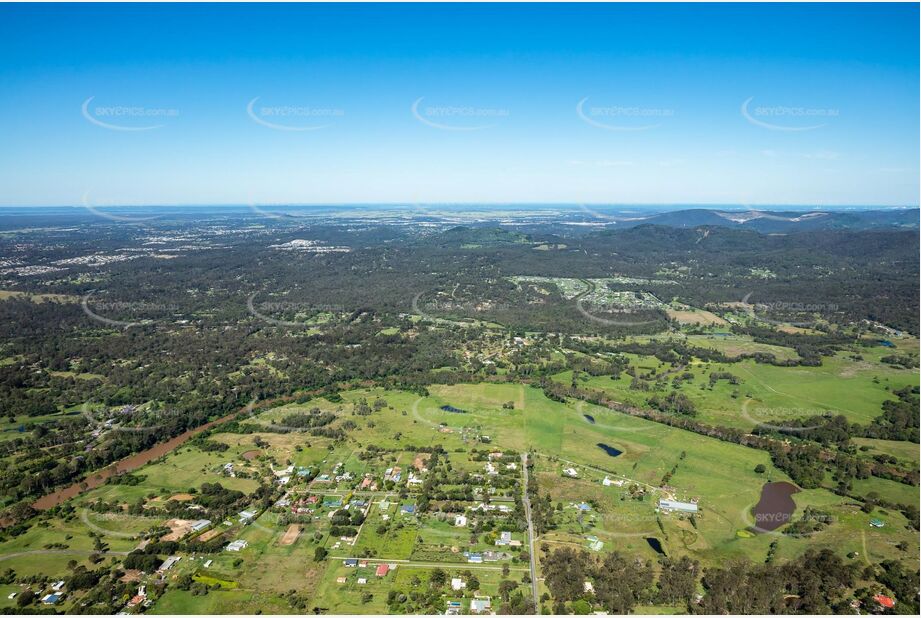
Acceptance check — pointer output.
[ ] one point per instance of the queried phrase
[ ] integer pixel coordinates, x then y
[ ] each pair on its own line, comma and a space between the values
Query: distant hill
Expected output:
779, 222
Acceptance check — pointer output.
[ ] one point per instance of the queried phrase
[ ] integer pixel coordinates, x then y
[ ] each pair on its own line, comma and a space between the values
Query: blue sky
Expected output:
619, 104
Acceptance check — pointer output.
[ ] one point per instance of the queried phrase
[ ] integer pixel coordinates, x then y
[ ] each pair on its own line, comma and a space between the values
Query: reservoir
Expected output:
776, 506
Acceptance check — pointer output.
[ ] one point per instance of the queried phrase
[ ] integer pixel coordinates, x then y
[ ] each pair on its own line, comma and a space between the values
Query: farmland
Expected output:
500, 441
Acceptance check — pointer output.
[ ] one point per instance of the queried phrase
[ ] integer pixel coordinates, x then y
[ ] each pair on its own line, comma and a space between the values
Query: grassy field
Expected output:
176, 472
396, 543
182, 602
39, 298
720, 475
906, 451
21, 424
841, 385
622, 515
51, 543
347, 597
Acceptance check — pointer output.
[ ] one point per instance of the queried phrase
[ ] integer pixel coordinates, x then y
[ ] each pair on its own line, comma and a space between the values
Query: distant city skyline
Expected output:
693, 105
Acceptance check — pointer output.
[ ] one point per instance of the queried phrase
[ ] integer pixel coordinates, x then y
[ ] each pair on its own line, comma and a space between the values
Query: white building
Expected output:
674, 505
168, 563
237, 545
504, 538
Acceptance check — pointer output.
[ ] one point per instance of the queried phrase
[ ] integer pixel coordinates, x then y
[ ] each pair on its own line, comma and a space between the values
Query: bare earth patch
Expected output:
132, 575
695, 317
420, 461
182, 497
178, 529
210, 534
290, 535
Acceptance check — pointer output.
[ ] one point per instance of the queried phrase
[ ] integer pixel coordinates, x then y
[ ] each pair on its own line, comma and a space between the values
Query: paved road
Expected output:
428, 565
527, 513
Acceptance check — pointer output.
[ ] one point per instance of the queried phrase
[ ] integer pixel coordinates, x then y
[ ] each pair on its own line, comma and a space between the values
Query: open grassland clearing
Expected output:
340, 586
21, 425
841, 385
39, 298
905, 451
51, 543
301, 449
393, 537
691, 315
718, 474
183, 602
733, 345
176, 472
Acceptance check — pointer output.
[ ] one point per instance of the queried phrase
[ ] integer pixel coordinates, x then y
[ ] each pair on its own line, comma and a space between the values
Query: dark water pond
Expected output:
452, 409
776, 506
655, 545
589, 418
610, 450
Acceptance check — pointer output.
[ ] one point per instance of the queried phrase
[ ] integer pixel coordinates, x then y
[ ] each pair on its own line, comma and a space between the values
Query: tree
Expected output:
438, 578
565, 572
319, 554
678, 580
760, 469
619, 582
505, 589
25, 598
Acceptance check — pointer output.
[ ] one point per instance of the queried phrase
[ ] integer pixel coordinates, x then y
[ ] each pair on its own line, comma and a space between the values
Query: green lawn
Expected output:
182, 602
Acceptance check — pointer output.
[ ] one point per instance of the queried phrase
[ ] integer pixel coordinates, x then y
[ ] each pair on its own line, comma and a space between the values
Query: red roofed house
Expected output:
887, 602
382, 570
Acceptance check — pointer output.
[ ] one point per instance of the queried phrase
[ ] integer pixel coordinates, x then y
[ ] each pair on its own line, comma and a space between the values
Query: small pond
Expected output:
610, 450
655, 545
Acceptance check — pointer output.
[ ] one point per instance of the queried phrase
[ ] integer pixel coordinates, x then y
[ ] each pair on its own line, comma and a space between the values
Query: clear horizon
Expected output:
474, 205
768, 105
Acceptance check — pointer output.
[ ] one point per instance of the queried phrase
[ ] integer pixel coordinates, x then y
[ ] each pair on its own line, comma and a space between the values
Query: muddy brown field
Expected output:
291, 534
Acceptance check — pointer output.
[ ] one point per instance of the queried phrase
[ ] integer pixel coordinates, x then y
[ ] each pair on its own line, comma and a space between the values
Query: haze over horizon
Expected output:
622, 105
